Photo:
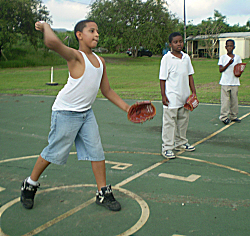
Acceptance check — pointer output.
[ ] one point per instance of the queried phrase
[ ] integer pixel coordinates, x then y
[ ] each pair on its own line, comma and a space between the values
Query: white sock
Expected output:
32, 182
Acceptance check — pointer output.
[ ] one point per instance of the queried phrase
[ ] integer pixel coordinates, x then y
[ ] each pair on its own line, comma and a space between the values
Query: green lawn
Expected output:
131, 78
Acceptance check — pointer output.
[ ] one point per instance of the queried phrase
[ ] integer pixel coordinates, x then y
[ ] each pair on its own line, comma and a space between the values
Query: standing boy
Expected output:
229, 84
176, 80
72, 118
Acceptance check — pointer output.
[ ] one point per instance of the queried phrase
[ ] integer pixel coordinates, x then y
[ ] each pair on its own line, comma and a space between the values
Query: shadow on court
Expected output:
205, 192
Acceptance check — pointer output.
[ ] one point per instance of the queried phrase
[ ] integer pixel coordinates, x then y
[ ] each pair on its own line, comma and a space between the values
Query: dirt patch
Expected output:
211, 85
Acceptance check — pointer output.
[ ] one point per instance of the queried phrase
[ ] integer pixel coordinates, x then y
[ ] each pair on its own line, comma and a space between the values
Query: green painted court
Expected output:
200, 193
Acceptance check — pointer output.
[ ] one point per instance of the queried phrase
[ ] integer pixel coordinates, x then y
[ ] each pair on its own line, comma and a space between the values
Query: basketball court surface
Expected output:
205, 192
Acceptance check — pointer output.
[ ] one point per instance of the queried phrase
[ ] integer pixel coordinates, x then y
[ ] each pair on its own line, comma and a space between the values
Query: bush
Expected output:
24, 57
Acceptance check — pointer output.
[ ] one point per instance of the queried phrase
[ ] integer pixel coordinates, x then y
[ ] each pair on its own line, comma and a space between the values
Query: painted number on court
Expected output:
190, 178
118, 165
2, 189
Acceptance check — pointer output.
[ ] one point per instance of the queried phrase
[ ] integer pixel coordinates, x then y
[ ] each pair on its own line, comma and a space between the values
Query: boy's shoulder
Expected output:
236, 55
223, 56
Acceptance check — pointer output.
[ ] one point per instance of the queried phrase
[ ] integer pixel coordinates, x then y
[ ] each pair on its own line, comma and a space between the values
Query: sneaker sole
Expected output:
111, 209
172, 157
186, 150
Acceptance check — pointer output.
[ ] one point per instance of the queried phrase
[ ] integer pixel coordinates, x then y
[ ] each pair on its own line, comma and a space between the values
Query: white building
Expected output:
196, 48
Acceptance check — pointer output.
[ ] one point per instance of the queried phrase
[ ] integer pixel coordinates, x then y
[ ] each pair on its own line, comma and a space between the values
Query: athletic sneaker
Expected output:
186, 147
28, 192
226, 121
106, 199
237, 120
168, 154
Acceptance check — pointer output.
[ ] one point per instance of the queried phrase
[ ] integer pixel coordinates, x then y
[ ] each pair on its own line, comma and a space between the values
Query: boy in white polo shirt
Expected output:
176, 80
229, 84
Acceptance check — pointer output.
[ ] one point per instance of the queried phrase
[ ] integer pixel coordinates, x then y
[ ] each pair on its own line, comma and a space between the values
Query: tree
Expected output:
19, 17
132, 23
211, 28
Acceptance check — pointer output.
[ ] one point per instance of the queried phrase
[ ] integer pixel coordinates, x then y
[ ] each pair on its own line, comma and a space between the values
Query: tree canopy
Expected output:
18, 17
211, 28
132, 23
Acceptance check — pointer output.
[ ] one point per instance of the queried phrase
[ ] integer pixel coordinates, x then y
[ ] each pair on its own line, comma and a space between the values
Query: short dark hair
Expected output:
230, 40
80, 25
171, 36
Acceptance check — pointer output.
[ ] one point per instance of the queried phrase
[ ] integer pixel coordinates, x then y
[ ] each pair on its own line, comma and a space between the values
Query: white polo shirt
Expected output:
227, 76
176, 72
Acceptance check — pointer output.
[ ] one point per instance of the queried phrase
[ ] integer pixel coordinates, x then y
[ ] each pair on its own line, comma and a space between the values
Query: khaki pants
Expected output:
174, 128
229, 102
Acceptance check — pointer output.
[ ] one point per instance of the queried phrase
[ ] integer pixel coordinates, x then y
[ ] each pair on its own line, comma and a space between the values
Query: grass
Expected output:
131, 78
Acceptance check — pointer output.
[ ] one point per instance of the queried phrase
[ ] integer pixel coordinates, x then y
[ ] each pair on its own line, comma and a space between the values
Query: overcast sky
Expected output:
66, 13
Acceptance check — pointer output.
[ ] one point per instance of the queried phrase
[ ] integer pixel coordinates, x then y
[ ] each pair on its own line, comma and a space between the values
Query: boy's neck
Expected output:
230, 54
177, 54
85, 50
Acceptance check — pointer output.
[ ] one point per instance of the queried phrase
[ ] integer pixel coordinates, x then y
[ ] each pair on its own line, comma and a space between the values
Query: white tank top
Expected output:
79, 94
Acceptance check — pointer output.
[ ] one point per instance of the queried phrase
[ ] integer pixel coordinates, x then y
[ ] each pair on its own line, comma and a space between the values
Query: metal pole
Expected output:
185, 34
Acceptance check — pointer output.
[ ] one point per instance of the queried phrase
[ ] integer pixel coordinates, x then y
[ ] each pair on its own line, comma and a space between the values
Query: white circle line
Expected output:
143, 218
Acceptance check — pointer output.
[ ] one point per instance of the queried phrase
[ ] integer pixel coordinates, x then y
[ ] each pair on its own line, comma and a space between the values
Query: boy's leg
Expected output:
225, 101
234, 103
89, 147
61, 137
168, 129
99, 171
104, 195
39, 167
30, 184
181, 142
182, 125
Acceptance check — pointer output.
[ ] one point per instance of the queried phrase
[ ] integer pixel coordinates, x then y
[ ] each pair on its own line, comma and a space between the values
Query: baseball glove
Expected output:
141, 112
192, 102
239, 68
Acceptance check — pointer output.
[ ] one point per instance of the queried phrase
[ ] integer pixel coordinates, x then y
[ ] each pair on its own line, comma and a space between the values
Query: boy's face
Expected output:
90, 35
229, 47
177, 44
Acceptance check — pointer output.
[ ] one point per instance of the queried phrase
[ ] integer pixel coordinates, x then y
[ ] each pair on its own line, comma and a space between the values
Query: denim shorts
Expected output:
68, 127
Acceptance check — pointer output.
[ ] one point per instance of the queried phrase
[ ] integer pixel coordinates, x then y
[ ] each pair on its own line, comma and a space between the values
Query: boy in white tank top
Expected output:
87, 72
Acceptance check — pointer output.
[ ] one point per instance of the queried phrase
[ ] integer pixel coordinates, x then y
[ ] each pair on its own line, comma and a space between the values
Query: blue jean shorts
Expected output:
68, 127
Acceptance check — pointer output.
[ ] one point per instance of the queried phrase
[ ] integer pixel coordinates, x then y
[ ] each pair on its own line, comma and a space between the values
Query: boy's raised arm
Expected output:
223, 68
54, 43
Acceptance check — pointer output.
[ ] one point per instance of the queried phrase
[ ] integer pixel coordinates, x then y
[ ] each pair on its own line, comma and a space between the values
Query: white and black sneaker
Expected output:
106, 199
28, 192
169, 154
185, 147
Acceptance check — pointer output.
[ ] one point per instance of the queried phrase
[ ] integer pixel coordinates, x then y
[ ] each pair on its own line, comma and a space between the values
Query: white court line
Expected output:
2, 189
156, 165
142, 220
208, 104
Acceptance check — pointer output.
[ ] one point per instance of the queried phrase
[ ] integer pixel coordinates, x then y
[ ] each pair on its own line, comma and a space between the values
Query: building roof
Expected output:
222, 35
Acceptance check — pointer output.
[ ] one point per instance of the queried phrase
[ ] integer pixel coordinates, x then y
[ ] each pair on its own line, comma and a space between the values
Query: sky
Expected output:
66, 13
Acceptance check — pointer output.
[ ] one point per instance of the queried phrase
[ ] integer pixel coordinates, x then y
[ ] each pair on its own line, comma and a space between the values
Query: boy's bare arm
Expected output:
55, 44
165, 100
223, 68
191, 84
109, 93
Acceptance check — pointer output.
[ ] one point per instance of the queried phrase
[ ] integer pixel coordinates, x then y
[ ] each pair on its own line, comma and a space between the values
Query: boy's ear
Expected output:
79, 35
